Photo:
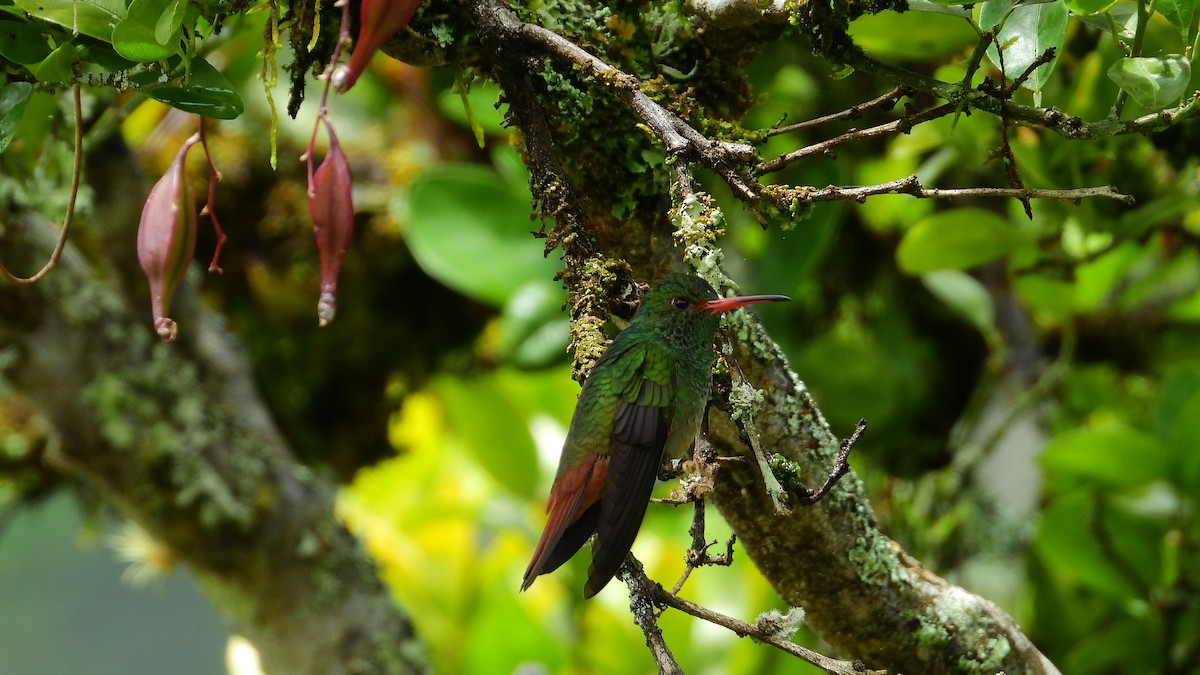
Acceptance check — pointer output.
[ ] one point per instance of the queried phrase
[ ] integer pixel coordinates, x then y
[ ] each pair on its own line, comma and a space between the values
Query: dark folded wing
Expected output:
639, 435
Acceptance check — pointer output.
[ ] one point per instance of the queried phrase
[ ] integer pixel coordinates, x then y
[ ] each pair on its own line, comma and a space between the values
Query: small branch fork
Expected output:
840, 466
852, 113
770, 465
646, 595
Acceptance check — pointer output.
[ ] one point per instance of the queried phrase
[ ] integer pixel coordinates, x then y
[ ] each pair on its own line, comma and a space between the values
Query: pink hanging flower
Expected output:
167, 238
378, 21
331, 207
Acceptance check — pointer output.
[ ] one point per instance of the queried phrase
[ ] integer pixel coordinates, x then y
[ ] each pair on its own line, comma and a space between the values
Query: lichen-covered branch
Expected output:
860, 592
177, 439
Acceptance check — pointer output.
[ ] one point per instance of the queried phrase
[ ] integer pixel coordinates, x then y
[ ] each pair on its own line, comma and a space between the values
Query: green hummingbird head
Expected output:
686, 310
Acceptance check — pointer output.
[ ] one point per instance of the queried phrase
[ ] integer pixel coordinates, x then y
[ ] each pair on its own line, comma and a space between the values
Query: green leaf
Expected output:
13, 98
1182, 438
136, 37
170, 21
955, 239
1114, 456
1066, 542
966, 296
22, 43
101, 54
478, 110
1089, 7
485, 253
912, 36
1178, 12
96, 18
1052, 298
1027, 32
1154, 83
59, 66
1096, 279
1121, 646
494, 430
1179, 385
534, 332
207, 93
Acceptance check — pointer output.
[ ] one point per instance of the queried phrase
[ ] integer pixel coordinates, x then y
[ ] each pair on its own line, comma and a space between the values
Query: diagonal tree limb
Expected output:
861, 592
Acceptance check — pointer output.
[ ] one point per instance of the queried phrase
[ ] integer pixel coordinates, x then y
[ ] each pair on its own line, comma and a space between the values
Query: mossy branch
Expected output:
177, 439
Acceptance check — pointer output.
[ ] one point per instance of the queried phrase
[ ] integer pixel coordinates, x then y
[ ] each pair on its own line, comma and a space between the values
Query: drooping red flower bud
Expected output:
167, 238
378, 21
331, 207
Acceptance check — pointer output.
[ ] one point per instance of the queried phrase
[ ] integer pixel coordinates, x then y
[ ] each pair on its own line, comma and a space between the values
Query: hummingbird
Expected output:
643, 402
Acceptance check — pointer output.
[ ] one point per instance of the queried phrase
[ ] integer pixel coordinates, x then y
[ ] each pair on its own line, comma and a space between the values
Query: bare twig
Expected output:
76, 170
650, 592
840, 466
910, 185
732, 160
1045, 57
853, 112
901, 125
697, 554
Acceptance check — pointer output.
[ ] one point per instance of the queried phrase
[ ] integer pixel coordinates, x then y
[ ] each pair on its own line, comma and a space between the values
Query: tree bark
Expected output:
860, 591
176, 438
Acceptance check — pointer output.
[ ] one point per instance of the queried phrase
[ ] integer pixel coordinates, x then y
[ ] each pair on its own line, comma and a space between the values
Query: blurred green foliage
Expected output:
441, 393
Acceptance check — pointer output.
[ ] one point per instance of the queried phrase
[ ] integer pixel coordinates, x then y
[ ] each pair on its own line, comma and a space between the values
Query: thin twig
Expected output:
901, 125
76, 170
840, 466
853, 112
1008, 90
635, 578
911, 185
731, 160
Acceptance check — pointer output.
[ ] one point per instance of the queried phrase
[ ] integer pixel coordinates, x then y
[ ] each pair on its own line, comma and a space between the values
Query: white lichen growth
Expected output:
780, 625
148, 558
744, 401
698, 225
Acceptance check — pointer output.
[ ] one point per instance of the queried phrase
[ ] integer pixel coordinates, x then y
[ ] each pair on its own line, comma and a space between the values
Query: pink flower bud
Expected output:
331, 208
378, 21
167, 238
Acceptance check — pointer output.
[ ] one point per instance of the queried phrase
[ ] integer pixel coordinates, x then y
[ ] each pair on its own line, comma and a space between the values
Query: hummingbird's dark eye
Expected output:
680, 303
